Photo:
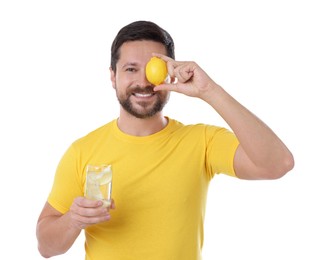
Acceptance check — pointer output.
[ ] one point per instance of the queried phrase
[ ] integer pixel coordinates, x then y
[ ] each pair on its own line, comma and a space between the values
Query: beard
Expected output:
142, 109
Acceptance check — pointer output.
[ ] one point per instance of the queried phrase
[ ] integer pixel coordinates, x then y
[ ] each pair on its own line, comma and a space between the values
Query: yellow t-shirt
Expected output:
160, 185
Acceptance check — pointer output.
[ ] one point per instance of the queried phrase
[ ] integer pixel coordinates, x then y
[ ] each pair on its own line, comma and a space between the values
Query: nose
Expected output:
142, 80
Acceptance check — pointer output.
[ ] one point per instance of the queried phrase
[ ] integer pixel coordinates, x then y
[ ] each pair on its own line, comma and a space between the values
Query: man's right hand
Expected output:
85, 212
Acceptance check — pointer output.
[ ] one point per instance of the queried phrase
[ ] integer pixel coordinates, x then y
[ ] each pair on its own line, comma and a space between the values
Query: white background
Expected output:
54, 88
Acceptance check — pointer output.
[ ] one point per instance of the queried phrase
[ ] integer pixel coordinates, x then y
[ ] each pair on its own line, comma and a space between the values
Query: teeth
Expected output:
143, 95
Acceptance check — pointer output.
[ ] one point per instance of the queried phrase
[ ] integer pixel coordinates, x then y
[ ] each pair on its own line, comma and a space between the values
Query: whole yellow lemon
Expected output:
156, 71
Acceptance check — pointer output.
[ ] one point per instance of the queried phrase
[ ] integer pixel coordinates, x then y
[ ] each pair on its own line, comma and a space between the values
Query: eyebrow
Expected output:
129, 64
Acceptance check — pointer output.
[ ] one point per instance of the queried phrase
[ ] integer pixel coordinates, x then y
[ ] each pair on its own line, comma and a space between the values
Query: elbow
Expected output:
44, 256
43, 253
47, 252
289, 163
43, 250
281, 168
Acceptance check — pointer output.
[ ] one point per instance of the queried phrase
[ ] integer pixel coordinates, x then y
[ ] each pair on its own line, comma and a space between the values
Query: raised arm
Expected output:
261, 154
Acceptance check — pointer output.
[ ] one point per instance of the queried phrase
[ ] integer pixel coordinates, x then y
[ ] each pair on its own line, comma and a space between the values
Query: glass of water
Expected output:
98, 184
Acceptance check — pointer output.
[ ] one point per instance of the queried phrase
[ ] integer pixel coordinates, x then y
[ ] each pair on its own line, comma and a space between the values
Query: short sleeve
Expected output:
64, 190
221, 148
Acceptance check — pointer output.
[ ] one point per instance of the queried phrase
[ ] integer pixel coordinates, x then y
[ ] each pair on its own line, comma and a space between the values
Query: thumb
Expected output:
166, 87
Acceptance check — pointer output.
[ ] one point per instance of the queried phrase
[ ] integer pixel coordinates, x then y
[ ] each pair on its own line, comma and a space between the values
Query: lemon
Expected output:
106, 176
156, 71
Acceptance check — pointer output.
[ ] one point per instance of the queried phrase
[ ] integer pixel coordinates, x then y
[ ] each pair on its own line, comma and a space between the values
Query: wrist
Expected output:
211, 93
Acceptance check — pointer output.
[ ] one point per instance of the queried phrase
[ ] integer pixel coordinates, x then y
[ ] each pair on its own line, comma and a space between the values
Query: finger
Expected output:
171, 68
167, 59
83, 221
183, 73
166, 87
113, 204
163, 57
88, 203
88, 211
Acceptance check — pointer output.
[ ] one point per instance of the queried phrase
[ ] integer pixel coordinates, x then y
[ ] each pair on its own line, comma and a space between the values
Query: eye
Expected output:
130, 69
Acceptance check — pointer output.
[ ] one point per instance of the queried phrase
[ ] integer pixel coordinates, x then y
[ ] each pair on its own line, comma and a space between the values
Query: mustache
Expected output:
145, 90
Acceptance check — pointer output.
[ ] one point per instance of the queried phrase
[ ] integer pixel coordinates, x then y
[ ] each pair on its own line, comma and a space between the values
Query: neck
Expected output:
132, 125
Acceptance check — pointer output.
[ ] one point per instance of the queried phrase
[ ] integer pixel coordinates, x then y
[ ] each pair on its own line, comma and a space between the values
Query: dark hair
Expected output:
138, 31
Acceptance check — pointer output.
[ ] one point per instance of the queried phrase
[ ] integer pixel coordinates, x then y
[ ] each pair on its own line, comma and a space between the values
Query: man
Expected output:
161, 168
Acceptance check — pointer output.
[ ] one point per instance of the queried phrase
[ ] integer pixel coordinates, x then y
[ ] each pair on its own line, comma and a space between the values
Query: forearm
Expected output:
56, 235
261, 154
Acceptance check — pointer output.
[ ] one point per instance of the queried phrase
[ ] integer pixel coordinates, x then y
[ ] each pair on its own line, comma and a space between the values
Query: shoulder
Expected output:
95, 135
199, 130
198, 127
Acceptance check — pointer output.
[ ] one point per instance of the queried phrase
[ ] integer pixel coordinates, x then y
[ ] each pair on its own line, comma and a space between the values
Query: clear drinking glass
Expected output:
99, 183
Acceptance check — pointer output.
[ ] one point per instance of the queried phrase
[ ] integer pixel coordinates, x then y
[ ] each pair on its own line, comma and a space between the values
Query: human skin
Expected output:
260, 155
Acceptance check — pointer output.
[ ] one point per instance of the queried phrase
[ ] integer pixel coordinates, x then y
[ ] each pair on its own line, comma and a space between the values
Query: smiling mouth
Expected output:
143, 95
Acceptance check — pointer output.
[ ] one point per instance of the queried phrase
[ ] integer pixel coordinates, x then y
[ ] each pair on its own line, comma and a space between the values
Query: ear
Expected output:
112, 77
